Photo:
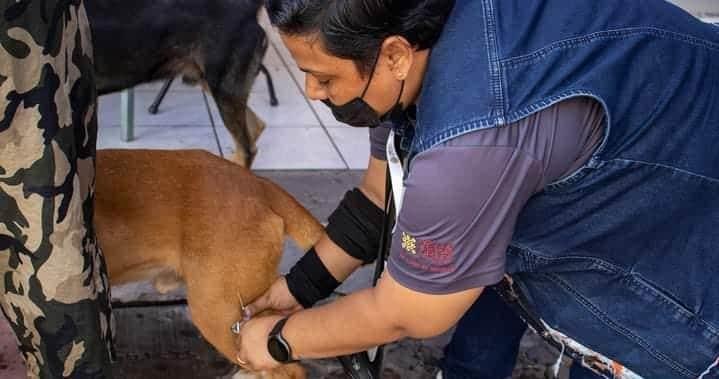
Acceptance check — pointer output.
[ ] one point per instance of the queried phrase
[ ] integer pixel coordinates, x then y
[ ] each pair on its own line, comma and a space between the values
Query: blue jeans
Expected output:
486, 342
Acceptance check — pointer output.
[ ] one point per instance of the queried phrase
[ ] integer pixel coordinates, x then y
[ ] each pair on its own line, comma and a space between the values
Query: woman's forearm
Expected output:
350, 324
338, 262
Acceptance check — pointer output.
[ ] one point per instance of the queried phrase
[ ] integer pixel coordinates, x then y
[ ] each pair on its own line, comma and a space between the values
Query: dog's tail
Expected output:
300, 225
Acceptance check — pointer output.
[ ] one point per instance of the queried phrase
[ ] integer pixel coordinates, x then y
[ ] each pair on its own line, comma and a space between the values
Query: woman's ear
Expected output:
399, 55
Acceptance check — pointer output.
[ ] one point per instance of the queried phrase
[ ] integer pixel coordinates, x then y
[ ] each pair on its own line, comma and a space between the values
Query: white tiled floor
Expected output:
297, 148
300, 134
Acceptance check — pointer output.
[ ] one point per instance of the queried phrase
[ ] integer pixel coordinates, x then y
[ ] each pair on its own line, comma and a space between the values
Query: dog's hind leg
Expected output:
239, 260
245, 133
230, 79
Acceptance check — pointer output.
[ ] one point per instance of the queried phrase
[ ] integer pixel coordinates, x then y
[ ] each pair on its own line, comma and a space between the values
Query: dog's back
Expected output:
169, 200
137, 41
216, 43
207, 221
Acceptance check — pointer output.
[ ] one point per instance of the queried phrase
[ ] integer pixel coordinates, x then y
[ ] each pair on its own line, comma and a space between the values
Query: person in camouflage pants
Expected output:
54, 288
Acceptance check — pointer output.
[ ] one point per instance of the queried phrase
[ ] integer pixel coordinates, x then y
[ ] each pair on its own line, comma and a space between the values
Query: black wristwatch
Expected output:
277, 345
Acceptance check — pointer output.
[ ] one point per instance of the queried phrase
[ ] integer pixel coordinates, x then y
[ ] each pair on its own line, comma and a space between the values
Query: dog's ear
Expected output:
167, 281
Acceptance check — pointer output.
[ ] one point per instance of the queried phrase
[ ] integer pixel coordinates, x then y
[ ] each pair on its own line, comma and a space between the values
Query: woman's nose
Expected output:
313, 90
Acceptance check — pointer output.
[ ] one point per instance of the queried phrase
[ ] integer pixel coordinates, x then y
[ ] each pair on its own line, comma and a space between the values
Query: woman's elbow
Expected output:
425, 329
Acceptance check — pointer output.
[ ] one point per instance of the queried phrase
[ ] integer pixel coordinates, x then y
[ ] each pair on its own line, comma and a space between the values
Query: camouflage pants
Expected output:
54, 288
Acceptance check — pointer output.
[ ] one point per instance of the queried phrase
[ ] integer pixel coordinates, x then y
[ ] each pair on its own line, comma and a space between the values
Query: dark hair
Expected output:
355, 29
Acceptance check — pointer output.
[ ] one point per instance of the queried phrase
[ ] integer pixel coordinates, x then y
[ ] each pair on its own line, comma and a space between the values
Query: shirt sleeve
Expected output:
463, 197
458, 215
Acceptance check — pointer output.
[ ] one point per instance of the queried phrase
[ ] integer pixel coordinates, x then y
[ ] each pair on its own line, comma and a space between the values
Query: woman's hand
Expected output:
277, 299
251, 344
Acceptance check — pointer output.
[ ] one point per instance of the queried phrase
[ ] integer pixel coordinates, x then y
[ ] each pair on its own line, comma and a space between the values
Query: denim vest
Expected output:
622, 254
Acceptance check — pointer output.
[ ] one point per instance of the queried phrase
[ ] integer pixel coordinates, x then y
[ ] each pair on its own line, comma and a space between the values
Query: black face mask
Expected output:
358, 113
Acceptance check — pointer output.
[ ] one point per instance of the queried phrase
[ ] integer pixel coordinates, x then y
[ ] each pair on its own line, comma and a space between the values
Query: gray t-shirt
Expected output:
463, 197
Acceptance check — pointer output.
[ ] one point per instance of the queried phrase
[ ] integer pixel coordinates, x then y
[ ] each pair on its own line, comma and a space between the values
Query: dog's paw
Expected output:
167, 281
244, 374
291, 371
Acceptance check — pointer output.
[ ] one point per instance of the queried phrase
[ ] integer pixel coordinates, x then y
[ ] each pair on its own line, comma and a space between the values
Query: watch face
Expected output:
278, 350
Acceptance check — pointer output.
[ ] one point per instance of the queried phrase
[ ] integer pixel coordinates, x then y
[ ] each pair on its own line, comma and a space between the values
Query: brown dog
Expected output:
190, 216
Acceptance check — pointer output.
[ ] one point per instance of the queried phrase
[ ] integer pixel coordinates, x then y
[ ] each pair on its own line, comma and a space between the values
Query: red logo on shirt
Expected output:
435, 251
